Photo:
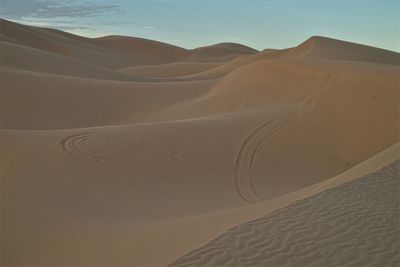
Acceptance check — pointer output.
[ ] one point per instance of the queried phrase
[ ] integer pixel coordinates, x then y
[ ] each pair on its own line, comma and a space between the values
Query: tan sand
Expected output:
45, 101
355, 224
172, 70
122, 151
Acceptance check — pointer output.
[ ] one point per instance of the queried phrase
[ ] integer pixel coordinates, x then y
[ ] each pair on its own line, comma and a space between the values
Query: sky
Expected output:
192, 23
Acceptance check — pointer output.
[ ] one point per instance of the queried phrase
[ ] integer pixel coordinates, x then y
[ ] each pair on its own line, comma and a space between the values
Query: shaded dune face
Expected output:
335, 227
116, 135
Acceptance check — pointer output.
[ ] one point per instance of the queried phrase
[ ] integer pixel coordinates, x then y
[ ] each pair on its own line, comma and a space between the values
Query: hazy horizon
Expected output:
257, 23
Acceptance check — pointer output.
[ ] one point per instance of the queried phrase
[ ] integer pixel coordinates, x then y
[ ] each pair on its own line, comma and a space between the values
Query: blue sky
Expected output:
192, 23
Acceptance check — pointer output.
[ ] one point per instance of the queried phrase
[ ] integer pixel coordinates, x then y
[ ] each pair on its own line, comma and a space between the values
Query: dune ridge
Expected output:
172, 70
177, 144
319, 47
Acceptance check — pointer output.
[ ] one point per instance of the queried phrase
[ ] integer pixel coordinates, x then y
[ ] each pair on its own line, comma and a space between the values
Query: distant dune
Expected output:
330, 49
122, 151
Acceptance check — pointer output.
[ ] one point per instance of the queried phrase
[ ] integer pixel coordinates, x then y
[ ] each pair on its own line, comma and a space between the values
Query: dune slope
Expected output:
170, 70
38, 101
354, 224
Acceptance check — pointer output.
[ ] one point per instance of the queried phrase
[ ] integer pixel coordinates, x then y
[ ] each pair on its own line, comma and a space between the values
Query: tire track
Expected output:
267, 138
75, 145
78, 146
247, 155
310, 102
176, 163
248, 139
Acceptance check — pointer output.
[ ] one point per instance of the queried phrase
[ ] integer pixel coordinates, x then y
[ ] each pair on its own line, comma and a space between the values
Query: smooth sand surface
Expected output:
172, 70
355, 224
121, 151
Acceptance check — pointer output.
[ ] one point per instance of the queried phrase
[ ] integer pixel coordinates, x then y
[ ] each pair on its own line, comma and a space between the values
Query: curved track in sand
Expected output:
247, 156
80, 147
313, 99
355, 224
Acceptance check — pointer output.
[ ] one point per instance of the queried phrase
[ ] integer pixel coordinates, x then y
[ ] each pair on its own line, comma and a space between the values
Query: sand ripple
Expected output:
356, 224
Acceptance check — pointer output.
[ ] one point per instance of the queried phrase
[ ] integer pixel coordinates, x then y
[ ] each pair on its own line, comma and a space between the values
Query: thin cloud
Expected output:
60, 14
17, 9
172, 41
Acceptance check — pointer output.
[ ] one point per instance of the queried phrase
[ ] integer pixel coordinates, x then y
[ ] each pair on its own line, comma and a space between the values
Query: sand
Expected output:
355, 224
121, 151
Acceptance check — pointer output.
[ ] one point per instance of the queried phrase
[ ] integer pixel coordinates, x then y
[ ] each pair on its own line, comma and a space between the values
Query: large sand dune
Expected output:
354, 224
121, 151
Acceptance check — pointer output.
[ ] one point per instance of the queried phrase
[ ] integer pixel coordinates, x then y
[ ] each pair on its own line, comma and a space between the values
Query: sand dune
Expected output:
113, 51
80, 48
220, 52
351, 225
330, 49
34, 60
315, 48
144, 51
38, 101
114, 146
115, 206
265, 81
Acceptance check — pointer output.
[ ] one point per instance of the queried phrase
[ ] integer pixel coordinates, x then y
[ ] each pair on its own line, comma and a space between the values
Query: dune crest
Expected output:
319, 47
